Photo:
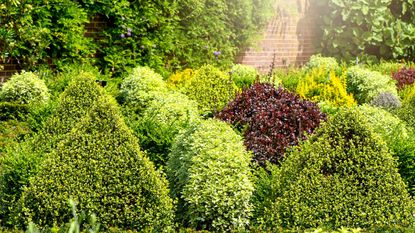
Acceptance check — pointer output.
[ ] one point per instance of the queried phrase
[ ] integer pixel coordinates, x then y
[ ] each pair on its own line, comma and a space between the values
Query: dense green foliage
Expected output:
366, 85
243, 76
209, 172
407, 111
343, 175
381, 28
161, 121
386, 100
141, 86
86, 166
211, 88
326, 63
25, 88
163, 34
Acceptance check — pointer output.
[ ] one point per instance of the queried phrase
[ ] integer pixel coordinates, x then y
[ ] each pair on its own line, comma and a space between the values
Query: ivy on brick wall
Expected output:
378, 28
163, 34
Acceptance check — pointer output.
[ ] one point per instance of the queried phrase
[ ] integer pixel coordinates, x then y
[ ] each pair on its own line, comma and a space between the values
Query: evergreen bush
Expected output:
320, 62
366, 85
100, 166
25, 88
161, 121
386, 100
141, 86
343, 175
211, 88
209, 173
243, 76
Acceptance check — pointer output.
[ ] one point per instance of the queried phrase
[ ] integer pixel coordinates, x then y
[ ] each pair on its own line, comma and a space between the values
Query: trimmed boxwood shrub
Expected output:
180, 80
209, 173
211, 88
343, 175
366, 85
20, 162
13, 111
25, 88
243, 76
161, 121
399, 138
407, 110
326, 63
141, 86
99, 165
271, 120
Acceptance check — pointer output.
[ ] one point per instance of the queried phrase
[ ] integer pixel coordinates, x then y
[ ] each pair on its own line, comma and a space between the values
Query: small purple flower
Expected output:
216, 53
128, 33
122, 35
129, 30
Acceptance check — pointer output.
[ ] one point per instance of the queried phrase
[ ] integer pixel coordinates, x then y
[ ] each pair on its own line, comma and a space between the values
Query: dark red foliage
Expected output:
405, 76
272, 120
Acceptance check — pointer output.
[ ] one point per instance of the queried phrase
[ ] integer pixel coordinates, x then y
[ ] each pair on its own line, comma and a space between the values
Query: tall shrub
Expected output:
342, 176
100, 166
271, 120
209, 173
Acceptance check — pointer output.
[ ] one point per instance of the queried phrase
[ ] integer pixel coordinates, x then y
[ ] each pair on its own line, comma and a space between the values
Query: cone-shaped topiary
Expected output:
21, 161
343, 175
100, 166
209, 172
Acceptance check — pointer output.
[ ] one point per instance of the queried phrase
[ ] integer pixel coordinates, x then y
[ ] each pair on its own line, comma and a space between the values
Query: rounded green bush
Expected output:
243, 76
343, 176
141, 86
25, 88
320, 62
209, 173
211, 88
365, 84
161, 121
100, 166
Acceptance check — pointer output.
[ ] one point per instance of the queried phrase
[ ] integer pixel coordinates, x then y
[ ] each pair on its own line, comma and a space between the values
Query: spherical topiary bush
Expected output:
209, 172
99, 165
243, 76
326, 63
343, 175
366, 85
141, 85
161, 121
25, 88
271, 120
211, 88
386, 101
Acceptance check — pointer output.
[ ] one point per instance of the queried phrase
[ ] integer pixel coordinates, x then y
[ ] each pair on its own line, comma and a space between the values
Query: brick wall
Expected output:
288, 40
93, 30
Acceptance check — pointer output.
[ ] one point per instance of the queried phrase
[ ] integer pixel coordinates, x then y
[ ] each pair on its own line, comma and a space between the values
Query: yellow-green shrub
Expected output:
319, 86
211, 88
180, 79
100, 166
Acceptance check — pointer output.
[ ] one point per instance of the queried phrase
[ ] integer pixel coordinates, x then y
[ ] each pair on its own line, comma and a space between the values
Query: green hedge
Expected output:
343, 175
100, 166
209, 173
